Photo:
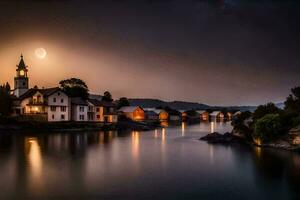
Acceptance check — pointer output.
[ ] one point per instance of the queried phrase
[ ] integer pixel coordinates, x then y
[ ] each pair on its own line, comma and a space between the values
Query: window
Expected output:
90, 108
58, 94
53, 108
81, 117
62, 100
54, 99
98, 109
81, 109
52, 116
62, 117
63, 108
98, 116
23, 83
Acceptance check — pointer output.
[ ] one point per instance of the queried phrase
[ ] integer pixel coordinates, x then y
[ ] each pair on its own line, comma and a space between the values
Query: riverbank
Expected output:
284, 143
76, 126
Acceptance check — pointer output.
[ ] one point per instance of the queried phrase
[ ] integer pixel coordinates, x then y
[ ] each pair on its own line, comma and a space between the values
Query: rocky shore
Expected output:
225, 138
290, 141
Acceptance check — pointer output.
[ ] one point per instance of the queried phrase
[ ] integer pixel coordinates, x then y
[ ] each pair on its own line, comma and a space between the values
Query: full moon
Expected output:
40, 53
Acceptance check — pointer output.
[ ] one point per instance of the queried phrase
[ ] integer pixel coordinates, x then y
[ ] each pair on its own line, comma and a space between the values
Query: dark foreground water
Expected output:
167, 163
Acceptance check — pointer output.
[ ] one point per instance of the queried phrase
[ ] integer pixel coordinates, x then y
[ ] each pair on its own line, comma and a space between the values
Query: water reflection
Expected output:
163, 135
89, 163
135, 138
183, 125
34, 159
155, 133
164, 123
212, 127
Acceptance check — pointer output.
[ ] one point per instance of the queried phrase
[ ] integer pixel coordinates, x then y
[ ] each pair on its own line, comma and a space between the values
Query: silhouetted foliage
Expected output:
75, 87
268, 128
107, 97
5, 100
242, 126
123, 101
292, 103
263, 110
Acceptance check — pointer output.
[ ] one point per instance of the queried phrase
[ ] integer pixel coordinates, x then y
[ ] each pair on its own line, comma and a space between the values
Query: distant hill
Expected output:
182, 105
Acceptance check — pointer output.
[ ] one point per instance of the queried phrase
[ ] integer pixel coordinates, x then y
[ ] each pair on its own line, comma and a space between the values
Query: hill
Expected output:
182, 105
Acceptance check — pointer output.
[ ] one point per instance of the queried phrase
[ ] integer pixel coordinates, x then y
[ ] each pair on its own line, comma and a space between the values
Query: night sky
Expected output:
216, 52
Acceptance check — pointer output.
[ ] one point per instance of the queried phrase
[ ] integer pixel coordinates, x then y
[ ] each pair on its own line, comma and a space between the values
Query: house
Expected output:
216, 115
151, 115
162, 114
183, 115
229, 115
174, 115
135, 113
50, 104
204, 115
79, 109
190, 115
102, 111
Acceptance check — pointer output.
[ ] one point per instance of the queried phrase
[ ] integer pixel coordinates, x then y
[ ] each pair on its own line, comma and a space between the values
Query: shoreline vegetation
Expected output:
268, 126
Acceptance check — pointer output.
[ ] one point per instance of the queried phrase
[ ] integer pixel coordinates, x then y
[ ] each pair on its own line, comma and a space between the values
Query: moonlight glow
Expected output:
40, 53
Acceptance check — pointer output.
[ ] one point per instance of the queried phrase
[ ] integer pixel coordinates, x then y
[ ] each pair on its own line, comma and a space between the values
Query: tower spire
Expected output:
22, 63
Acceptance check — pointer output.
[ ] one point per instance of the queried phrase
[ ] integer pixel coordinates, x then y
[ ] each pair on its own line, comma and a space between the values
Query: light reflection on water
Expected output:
166, 163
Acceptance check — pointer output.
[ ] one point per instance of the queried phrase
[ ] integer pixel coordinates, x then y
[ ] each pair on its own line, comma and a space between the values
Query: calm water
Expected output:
166, 163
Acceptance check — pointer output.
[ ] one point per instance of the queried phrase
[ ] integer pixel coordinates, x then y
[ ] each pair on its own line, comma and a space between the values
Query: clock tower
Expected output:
21, 80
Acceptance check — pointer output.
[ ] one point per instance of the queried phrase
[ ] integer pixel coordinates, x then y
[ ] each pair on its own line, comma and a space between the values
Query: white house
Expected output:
59, 106
79, 109
50, 104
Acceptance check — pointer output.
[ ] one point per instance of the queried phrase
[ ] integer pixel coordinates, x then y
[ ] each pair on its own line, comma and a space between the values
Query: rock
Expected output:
219, 138
294, 134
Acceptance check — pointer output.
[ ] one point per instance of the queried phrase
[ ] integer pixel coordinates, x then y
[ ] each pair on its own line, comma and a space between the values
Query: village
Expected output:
55, 105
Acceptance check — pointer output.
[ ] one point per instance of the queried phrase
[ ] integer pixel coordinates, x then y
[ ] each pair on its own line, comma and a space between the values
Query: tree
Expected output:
5, 100
123, 101
263, 110
75, 87
292, 103
107, 97
242, 124
267, 128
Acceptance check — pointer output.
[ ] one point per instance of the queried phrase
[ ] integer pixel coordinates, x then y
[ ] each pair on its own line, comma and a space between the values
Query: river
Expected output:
168, 163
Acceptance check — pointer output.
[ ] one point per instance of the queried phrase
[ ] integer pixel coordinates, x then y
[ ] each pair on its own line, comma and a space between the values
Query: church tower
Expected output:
21, 80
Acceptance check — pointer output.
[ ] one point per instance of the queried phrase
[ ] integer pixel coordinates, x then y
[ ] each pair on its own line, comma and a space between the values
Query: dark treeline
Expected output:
5, 100
268, 122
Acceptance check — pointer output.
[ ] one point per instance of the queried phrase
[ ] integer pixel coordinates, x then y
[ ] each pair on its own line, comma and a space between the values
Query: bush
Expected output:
296, 121
268, 128
263, 110
241, 126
